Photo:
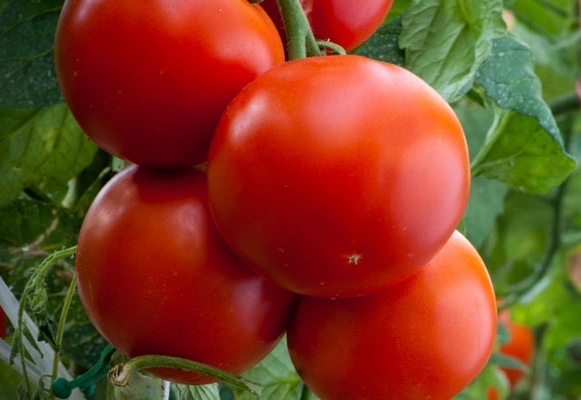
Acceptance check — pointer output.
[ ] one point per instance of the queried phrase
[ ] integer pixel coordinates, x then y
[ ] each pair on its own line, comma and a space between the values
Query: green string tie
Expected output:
86, 382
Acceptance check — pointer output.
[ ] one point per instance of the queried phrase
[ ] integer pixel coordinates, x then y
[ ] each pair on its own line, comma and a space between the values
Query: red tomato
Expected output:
520, 346
492, 394
148, 80
155, 277
339, 175
500, 388
3, 323
345, 22
425, 338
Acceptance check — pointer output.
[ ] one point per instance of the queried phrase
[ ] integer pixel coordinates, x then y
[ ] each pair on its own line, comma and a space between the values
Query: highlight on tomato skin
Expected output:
427, 337
155, 277
324, 204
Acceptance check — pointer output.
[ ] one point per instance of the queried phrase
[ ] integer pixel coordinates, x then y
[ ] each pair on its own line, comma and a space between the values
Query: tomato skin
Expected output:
148, 80
492, 393
345, 22
424, 338
155, 277
520, 346
337, 190
3, 323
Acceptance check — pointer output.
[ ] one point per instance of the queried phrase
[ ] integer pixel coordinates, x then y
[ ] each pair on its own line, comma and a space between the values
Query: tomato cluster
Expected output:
317, 196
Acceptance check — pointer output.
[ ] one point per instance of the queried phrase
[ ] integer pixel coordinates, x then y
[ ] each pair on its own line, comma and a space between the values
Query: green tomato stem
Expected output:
119, 373
61, 326
334, 47
35, 289
301, 42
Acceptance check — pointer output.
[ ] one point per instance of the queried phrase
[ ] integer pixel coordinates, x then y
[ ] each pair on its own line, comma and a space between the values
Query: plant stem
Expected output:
522, 288
35, 283
300, 39
158, 361
566, 103
61, 326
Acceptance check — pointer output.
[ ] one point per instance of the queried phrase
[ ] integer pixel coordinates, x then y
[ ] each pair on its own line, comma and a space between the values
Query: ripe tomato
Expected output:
424, 338
492, 394
148, 80
345, 22
3, 323
499, 387
521, 346
155, 277
338, 175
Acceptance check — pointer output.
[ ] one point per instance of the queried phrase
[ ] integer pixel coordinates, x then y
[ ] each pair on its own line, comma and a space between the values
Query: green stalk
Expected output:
61, 327
300, 38
35, 287
119, 373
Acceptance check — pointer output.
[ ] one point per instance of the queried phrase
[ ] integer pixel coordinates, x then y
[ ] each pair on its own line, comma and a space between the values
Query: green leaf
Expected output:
547, 17
517, 249
491, 376
41, 148
508, 77
502, 333
523, 155
23, 222
279, 379
189, 392
397, 8
9, 380
27, 73
506, 361
446, 41
383, 44
556, 61
486, 202
570, 209
81, 342
524, 147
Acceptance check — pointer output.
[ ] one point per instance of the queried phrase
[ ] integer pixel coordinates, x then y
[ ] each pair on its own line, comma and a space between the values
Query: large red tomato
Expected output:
425, 338
155, 277
521, 346
339, 175
345, 22
148, 80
